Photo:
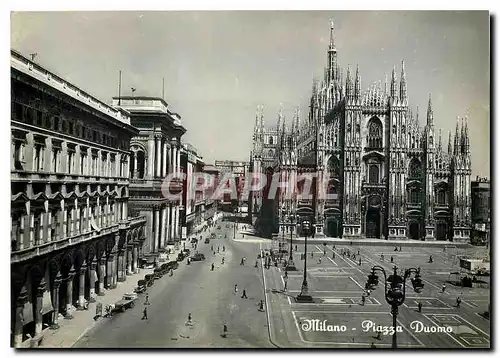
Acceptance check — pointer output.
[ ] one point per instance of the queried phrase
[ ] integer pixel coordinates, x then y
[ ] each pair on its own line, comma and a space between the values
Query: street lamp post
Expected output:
291, 265
395, 290
304, 296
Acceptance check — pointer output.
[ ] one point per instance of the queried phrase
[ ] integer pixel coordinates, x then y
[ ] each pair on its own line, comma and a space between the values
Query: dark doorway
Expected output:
332, 227
414, 230
441, 229
373, 223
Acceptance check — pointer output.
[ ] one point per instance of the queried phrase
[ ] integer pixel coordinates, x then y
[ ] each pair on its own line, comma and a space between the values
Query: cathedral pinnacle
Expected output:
357, 85
456, 147
402, 83
348, 83
450, 145
393, 83
430, 114
332, 40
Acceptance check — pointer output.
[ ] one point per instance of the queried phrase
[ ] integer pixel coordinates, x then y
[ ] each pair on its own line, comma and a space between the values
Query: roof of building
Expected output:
20, 63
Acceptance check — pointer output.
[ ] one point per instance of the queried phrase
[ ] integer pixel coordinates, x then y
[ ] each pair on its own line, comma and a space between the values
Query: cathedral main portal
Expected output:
332, 227
373, 223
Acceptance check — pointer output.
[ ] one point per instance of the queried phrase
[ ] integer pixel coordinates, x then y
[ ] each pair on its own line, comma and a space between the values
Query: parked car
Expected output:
174, 265
127, 301
186, 252
141, 286
149, 278
198, 257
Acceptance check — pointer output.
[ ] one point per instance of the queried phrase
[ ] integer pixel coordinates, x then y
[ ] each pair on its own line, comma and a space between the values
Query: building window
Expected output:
55, 229
441, 197
271, 140
18, 155
414, 196
38, 158
55, 160
373, 174
375, 133
36, 229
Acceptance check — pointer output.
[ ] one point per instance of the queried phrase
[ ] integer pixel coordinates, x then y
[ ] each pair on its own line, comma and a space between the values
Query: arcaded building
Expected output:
72, 237
393, 176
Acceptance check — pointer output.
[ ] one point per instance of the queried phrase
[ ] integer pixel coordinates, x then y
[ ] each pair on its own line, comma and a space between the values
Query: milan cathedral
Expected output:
393, 178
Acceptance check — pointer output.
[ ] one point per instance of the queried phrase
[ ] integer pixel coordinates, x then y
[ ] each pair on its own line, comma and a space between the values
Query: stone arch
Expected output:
333, 167
92, 252
79, 258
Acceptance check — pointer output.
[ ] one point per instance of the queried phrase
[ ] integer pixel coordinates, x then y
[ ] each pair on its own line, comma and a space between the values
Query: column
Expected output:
135, 267
19, 319
163, 227
48, 215
129, 260
109, 271
81, 288
38, 309
135, 165
55, 302
114, 266
167, 224
102, 274
174, 159
92, 273
170, 162
121, 276
151, 157
69, 293
174, 223
157, 229
158, 157
178, 160
164, 167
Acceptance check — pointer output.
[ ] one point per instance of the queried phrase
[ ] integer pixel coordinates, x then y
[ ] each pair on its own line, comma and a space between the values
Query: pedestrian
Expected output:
256, 263
190, 319
261, 306
212, 248
358, 251
147, 299
334, 247
235, 289
443, 288
360, 261
400, 248
378, 336
333, 254
420, 307
286, 283
324, 252
312, 254
319, 260
363, 299
145, 313
223, 249
392, 259
244, 295
459, 300
373, 345
295, 247
381, 257
242, 262
223, 260
213, 266
218, 249
224, 330
286, 274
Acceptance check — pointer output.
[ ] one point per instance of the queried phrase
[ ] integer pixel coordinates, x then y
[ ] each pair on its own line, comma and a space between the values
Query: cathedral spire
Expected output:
402, 83
450, 145
456, 146
280, 117
440, 142
332, 58
467, 143
417, 120
261, 116
430, 114
357, 85
386, 86
393, 83
257, 117
348, 82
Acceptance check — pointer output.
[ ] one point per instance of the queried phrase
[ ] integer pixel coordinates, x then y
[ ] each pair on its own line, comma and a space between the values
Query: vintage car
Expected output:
172, 265
127, 301
181, 256
141, 286
149, 278
198, 257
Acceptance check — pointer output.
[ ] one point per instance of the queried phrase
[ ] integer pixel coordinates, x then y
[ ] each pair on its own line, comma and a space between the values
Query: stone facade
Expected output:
71, 235
393, 178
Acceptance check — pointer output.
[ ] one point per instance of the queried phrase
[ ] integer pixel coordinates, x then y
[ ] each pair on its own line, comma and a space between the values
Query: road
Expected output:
337, 284
207, 295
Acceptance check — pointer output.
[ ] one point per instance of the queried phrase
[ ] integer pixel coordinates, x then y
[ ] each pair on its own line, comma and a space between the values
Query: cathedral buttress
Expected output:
429, 172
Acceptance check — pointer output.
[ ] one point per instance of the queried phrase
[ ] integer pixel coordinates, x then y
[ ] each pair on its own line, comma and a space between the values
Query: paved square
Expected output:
354, 328
338, 283
463, 332
427, 302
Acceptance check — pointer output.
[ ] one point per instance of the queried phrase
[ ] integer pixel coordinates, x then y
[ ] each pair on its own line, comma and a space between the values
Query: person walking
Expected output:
190, 319
419, 307
319, 259
235, 289
392, 259
324, 252
224, 330
145, 313
256, 263
443, 288
218, 249
261, 306
459, 301
223, 260
359, 261
223, 249
213, 266
333, 254
147, 299
244, 295
295, 247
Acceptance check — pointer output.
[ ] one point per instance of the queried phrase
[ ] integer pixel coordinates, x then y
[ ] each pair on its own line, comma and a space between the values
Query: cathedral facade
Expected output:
392, 176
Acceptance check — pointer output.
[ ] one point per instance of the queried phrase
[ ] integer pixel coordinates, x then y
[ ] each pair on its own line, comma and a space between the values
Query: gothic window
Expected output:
333, 167
357, 128
271, 140
270, 153
373, 174
414, 195
441, 197
394, 130
375, 133
415, 169
321, 138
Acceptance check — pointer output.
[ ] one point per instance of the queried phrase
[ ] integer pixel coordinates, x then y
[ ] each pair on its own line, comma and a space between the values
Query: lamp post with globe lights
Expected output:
395, 290
293, 220
304, 295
